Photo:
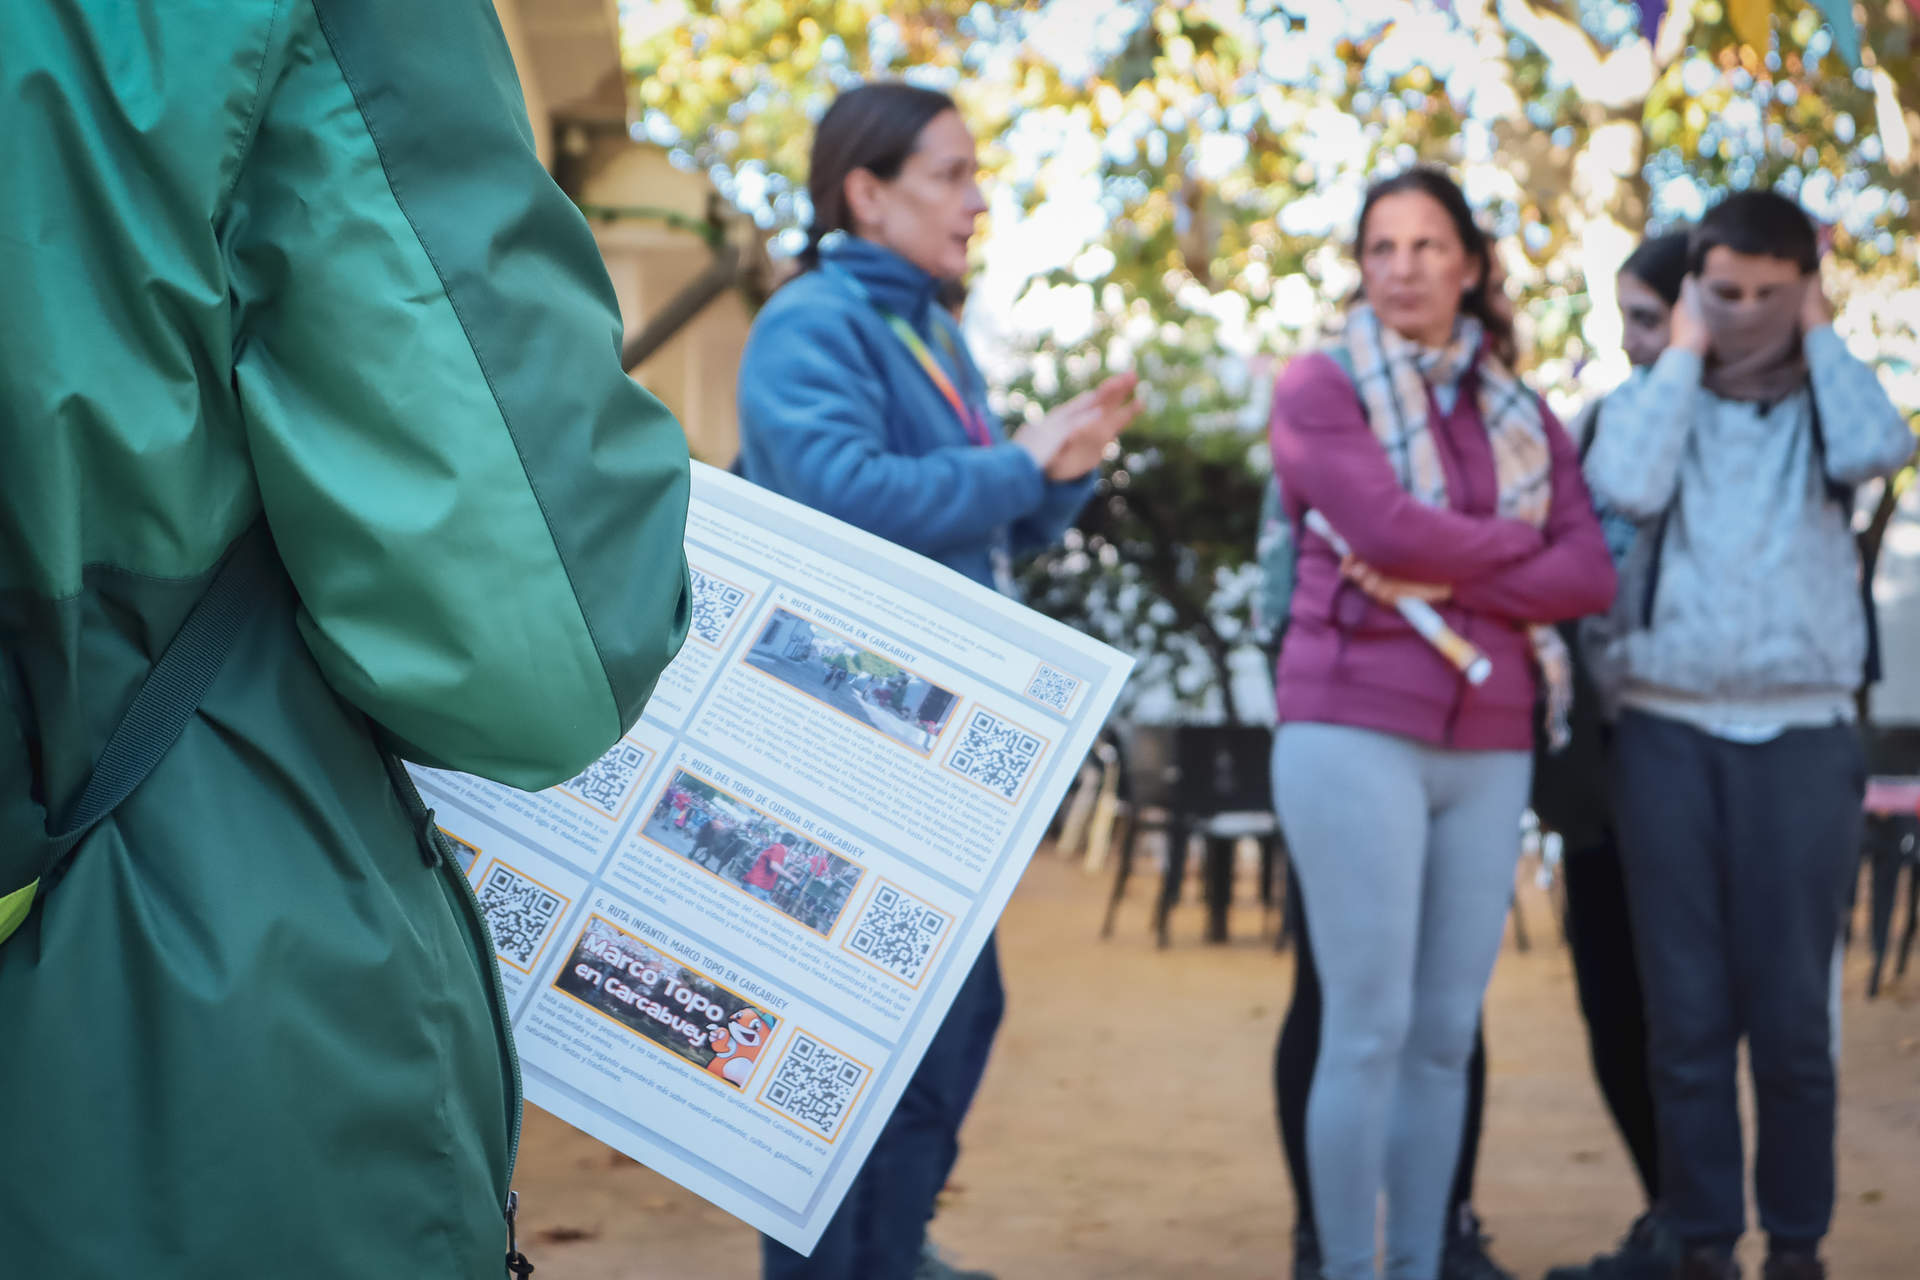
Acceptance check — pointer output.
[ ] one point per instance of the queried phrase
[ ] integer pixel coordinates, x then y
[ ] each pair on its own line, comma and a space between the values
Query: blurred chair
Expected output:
1892, 848
1211, 781
1891, 844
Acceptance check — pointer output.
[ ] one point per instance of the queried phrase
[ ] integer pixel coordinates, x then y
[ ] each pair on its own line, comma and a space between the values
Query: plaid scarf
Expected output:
1391, 374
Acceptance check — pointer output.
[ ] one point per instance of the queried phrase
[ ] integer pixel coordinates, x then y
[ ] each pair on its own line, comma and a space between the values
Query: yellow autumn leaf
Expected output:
1751, 21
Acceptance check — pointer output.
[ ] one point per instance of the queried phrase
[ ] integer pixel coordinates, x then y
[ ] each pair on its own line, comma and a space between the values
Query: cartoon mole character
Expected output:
736, 1046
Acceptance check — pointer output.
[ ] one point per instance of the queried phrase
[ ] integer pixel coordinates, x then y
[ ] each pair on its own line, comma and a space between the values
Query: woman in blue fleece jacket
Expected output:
858, 398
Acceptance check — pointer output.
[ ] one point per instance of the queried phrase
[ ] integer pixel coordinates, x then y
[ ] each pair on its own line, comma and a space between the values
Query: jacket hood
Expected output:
892, 281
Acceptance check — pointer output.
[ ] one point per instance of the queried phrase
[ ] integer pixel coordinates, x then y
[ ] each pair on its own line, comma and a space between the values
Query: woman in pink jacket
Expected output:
1400, 784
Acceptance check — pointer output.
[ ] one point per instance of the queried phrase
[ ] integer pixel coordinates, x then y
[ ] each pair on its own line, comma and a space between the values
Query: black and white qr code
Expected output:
714, 604
815, 1085
609, 780
995, 754
1051, 688
898, 933
519, 913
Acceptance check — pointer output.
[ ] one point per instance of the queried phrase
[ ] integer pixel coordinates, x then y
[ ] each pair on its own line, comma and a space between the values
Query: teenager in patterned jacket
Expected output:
1737, 766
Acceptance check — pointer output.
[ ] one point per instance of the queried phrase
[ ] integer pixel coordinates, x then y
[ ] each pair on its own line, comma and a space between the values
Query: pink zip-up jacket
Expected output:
1349, 661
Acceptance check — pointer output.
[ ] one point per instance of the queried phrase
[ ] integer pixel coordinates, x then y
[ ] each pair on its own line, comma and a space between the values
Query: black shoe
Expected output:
1707, 1264
1465, 1256
1649, 1252
1795, 1266
1306, 1254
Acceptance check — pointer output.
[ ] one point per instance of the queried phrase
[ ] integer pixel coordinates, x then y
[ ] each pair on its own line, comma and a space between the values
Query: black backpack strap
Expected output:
1651, 587
172, 691
1842, 496
1584, 428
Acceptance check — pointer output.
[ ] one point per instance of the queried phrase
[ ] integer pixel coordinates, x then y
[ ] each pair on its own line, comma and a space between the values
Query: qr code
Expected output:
897, 933
519, 913
609, 780
714, 604
1052, 688
995, 754
815, 1085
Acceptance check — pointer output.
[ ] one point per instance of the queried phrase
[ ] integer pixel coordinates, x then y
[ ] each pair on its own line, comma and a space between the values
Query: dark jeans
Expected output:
1293, 1062
1738, 859
879, 1228
1600, 934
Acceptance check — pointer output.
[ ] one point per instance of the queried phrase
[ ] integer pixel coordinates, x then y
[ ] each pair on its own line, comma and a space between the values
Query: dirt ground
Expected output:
1126, 1129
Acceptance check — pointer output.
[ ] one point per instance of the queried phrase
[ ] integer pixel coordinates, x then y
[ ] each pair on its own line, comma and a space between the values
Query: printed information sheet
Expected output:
727, 944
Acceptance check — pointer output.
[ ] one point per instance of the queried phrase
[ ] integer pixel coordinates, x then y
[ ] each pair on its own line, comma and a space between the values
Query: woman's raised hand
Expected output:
1069, 441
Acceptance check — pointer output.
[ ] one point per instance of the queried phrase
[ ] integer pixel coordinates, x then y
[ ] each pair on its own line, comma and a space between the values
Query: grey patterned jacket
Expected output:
1756, 614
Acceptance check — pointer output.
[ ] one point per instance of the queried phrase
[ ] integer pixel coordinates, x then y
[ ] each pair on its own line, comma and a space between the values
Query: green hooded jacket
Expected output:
291, 258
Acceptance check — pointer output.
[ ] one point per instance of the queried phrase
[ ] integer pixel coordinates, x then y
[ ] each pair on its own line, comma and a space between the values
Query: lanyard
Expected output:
970, 418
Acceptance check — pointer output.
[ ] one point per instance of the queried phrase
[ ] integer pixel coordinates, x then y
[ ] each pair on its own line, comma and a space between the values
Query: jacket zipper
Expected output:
1469, 488
483, 947
434, 851
516, 1262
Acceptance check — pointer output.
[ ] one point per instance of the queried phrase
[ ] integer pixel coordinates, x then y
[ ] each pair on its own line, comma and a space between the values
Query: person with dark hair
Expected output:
1400, 781
1464, 1254
1737, 769
1570, 797
858, 397
1648, 287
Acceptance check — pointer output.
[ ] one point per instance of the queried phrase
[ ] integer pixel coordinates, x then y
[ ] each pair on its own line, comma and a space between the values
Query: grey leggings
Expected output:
1406, 855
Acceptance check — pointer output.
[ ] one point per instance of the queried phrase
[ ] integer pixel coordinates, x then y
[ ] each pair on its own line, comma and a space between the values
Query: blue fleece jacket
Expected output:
837, 413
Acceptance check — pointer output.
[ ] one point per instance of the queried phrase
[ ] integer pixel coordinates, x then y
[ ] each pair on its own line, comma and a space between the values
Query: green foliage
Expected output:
1225, 141
1158, 563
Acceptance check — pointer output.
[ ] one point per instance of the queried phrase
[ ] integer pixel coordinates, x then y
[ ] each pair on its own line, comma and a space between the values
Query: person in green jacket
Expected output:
291, 266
